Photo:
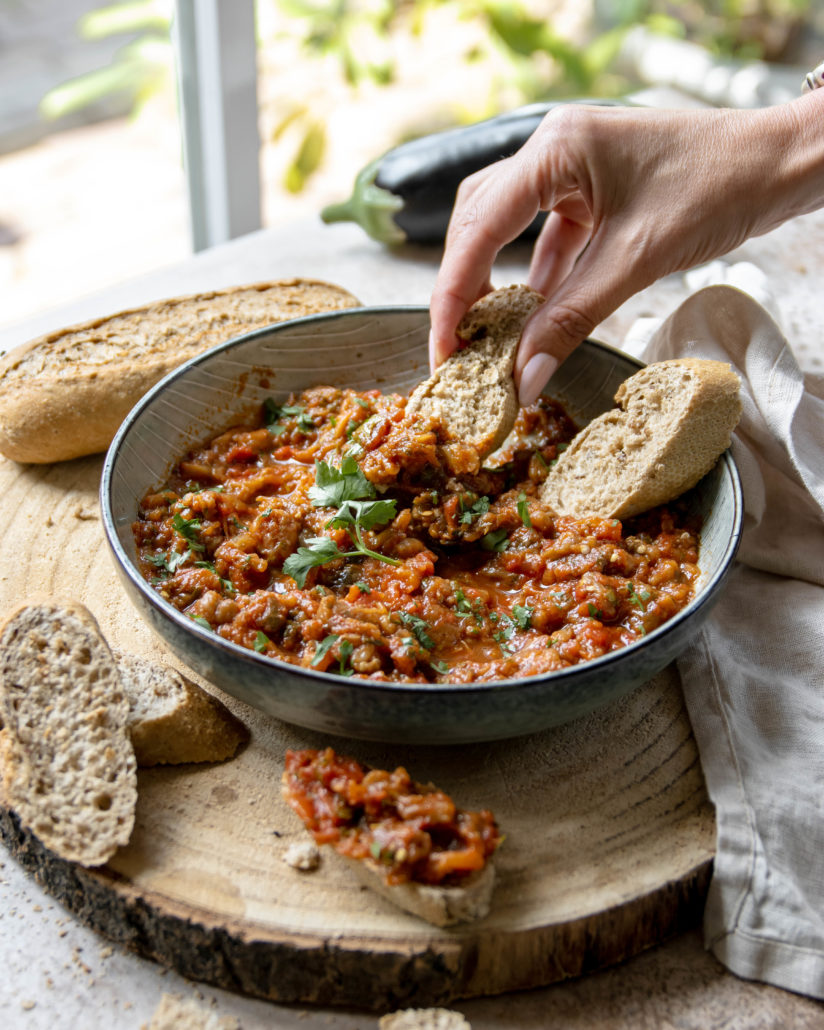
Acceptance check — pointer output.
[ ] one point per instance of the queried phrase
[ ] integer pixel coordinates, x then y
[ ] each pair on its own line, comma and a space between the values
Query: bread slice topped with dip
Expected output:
472, 394
407, 841
64, 395
673, 421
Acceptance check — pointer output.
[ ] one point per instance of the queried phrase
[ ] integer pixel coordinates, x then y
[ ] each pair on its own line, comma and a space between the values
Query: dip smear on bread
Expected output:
409, 841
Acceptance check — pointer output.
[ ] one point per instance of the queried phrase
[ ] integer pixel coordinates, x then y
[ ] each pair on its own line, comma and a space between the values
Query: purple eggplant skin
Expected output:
407, 195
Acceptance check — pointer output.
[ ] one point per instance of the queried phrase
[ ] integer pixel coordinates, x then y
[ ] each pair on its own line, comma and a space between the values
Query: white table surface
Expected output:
58, 974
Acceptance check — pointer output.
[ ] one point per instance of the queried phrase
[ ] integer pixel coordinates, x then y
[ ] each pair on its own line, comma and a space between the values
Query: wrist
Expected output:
797, 137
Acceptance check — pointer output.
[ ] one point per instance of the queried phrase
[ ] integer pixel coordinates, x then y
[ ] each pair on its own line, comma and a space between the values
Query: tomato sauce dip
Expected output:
412, 832
337, 533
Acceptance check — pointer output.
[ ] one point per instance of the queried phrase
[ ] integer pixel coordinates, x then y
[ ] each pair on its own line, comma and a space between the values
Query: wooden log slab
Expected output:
609, 832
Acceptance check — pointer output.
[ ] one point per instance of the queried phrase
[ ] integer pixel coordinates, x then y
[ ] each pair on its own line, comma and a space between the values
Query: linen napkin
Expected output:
754, 677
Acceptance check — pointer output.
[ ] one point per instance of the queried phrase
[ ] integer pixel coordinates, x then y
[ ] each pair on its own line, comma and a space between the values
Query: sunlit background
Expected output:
92, 188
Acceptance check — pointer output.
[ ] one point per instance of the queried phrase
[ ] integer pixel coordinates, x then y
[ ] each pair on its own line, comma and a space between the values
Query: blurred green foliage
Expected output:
357, 35
140, 69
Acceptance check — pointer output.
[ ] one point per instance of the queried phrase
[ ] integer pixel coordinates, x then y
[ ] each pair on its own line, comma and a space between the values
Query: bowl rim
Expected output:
275, 665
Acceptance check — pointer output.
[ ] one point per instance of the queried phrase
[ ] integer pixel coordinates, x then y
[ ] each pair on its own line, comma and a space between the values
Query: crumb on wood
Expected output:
303, 855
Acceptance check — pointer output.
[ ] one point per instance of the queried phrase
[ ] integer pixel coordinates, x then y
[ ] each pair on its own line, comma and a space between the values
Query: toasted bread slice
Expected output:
675, 420
472, 393
171, 719
69, 769
64, 395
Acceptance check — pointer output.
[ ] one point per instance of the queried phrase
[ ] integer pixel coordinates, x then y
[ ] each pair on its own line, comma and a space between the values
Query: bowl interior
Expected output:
362, 349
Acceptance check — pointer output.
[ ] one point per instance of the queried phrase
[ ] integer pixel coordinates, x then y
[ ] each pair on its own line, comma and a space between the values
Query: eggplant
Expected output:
407, 195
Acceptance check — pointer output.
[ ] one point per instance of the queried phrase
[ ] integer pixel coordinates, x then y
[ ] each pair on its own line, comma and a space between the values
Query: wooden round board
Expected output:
609, 834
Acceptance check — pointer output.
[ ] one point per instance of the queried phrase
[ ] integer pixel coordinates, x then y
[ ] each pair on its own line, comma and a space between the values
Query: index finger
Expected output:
492, 208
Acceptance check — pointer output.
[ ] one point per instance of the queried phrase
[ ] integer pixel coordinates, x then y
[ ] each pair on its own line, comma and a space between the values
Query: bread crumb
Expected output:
27, 1005
424, 1019
302, 854
177, 1013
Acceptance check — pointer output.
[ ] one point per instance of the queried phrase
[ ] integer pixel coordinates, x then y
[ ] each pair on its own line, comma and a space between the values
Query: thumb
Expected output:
596, 286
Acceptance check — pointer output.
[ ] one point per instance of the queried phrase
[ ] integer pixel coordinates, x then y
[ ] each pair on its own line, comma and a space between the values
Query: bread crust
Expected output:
171, 719
472, 393
64, 394
674, 421
441, 906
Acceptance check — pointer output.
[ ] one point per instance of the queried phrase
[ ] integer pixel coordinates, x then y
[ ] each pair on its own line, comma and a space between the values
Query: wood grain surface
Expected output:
609, 832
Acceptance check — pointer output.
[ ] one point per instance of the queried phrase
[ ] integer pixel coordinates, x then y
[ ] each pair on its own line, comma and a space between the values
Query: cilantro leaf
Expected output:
441, 667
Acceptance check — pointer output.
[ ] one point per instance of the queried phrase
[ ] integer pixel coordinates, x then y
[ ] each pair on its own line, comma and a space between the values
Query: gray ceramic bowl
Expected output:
363, 348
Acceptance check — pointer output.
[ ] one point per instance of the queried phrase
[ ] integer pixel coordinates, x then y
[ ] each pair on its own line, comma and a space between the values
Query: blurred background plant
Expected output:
91, 186
516, 53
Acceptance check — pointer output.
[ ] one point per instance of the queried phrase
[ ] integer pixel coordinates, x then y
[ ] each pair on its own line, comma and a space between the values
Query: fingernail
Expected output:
535, 376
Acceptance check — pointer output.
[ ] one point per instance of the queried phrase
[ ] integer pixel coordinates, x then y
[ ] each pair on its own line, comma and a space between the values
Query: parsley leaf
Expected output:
480, 507
261, 642
320, 550
201, 621
441, 667
188, 529
334, 486
419, 627
367, 514
323, 647
505, 633
346, 649
495, 541
273, 413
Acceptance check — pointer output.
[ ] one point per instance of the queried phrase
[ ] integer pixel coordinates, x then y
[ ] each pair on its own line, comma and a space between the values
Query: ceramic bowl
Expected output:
363, 348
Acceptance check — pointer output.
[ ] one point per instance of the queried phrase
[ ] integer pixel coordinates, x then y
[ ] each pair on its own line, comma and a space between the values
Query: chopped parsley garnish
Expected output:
504, 634
522, 614
419, 627
363, 587
201, 621
594, 613
188, 529
273, 413
635, 599
262, 642
523, 510
354, 496
495, 541
441, 667
227, 584
363, 403
323, 647
346, 648
478, 508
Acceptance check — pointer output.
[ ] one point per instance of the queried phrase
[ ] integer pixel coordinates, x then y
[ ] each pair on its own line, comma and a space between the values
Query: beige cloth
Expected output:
754, 677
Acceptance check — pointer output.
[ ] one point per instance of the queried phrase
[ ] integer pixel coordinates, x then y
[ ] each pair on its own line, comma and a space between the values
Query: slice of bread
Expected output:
472, 393
64, 395
675, 420
69, 769
424, 1019
172, 720
441, 906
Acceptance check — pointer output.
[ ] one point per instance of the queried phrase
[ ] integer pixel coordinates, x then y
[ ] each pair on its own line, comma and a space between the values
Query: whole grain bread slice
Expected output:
63, 395
171, 719
674, 420
472, 393
69, 769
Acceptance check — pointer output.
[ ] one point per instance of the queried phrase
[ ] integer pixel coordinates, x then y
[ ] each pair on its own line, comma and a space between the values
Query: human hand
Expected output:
633, 194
